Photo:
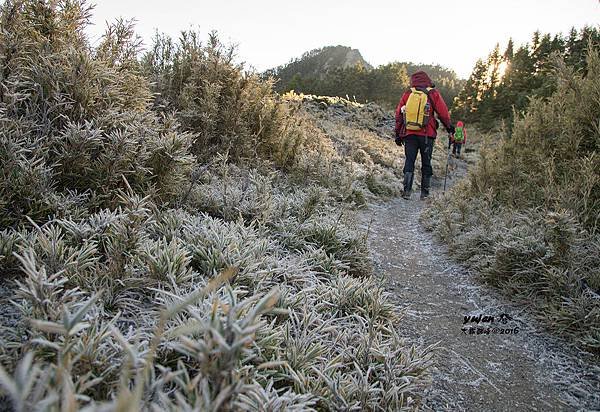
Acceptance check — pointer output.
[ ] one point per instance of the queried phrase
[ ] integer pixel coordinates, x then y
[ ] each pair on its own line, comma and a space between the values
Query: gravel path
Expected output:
527, 369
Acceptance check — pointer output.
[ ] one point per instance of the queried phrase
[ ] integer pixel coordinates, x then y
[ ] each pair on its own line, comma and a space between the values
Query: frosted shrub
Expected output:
527, 218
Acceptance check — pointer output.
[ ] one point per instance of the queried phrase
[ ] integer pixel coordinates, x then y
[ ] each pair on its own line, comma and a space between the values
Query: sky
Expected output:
269, 33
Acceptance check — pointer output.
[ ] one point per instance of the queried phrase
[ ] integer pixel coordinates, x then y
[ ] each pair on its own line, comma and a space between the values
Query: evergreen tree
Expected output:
528, 73
296, 83
467, 102
488, 107
387, 83
509, 52
571, 46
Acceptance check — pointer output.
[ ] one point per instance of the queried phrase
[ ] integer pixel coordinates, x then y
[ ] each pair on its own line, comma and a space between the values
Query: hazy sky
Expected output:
269, 33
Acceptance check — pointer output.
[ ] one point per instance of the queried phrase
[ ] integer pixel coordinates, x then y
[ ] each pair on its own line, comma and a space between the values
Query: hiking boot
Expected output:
425, 185
408, 181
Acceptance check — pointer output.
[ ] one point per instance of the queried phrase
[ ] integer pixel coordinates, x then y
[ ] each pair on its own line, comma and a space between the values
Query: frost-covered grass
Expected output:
527, 218
291, 318
182, 251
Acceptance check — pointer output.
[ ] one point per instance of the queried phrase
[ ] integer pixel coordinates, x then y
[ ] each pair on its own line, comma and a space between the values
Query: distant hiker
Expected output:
416, 128
459, 138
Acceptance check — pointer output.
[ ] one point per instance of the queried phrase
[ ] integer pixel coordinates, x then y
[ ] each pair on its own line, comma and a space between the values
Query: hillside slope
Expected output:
316, 63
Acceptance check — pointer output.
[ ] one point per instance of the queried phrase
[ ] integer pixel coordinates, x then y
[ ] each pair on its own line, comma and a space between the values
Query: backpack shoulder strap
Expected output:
426, 90
422, 89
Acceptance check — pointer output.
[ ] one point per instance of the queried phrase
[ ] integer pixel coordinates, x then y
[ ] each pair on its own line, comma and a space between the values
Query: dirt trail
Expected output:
530, 370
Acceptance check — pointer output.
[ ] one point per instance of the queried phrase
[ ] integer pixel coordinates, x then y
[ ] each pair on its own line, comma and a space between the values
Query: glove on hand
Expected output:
450, 129
399, 141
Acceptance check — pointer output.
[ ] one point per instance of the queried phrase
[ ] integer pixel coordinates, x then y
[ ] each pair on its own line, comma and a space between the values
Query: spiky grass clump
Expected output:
527, 218
108, 290
147, 280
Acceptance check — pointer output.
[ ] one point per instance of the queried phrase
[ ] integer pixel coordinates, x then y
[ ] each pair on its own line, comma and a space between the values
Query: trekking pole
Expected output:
447, 161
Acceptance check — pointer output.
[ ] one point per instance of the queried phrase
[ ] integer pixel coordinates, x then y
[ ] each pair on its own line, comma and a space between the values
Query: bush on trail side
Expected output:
227, 109
160, 258
527, 218
238, 113
75, 123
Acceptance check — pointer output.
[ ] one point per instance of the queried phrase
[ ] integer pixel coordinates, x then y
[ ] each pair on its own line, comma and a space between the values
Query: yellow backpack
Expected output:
417, 109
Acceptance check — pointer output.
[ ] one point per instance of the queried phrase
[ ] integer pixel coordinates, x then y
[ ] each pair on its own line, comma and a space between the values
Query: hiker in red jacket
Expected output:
421, 139
459, 138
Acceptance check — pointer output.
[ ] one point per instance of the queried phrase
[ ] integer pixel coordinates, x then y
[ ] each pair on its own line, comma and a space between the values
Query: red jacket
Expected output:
420, 79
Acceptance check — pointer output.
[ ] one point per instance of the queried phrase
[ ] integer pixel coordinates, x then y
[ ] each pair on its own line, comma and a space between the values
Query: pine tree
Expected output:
467, 103
535, 40
488, 105
571, 47
528, 73
387, 83
508, 53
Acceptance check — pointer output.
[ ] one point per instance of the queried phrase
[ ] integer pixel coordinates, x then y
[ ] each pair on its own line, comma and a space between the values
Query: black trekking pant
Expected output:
456, 148
414, 144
